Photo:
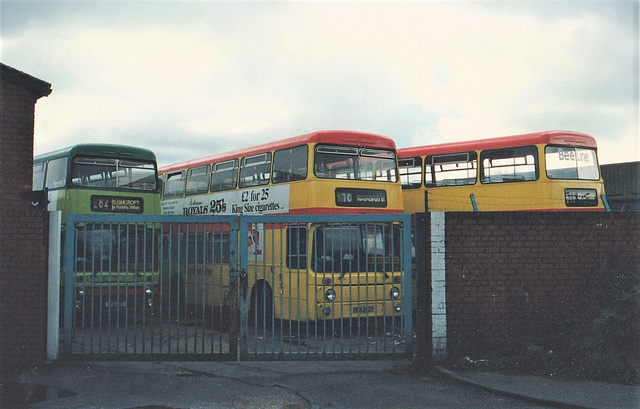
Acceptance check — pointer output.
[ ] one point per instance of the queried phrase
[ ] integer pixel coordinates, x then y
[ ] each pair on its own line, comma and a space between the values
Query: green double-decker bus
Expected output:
116, 267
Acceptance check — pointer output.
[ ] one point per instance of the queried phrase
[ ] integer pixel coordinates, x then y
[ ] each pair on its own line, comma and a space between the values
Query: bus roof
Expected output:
569, 138
335, 137
99, 150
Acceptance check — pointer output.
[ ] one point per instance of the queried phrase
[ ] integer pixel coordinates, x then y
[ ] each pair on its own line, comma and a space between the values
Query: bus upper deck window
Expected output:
335, 162
224, 175
456, 169
255, 170
136, 175
38, 175
410, 172
56, 173
378, 165
568, 162
113, 173
290, 164
518, 164
346, 162
197, 180
174, 185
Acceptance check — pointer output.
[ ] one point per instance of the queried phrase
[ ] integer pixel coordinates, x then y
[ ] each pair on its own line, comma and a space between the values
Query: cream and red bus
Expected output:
302, 271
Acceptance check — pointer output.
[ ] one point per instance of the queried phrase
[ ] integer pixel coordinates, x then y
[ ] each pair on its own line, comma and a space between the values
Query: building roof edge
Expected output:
37, 87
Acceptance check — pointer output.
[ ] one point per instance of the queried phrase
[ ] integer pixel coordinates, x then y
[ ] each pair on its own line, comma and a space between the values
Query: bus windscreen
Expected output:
113, 173
342, 162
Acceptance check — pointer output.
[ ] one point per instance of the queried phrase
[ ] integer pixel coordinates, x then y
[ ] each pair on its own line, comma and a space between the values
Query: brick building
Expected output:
23, 249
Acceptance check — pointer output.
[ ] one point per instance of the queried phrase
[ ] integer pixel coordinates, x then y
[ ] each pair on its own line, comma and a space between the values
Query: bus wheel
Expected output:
261, 305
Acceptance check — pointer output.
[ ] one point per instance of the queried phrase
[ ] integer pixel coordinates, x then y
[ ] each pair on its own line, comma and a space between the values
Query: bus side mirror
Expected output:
159, 184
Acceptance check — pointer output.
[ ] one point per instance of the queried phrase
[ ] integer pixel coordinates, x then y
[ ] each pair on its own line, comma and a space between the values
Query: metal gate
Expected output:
229, 287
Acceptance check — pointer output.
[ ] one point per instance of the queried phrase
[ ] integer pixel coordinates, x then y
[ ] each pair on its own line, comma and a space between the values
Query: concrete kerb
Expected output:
551, 392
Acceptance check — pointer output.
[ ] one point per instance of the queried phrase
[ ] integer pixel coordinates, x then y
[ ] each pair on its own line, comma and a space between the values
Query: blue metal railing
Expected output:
195, 249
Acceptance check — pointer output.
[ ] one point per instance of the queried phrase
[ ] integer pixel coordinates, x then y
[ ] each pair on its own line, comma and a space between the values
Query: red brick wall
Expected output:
23, 262
504, 269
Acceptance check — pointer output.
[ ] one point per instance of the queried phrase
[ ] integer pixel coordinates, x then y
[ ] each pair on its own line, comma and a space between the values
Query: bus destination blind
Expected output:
117, 204
361, 197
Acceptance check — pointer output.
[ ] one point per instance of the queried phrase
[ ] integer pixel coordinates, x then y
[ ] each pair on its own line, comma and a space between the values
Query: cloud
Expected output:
239, 116
152, 62
98, 113
191, 78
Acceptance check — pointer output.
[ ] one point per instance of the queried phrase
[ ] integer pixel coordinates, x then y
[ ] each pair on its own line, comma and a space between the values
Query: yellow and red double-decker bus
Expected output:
553, 170
303, 271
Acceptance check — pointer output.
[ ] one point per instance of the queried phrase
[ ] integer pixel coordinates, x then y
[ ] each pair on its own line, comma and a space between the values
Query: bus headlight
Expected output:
397, 307
330, 294
148, 290
395, 293
82, 291
326, 311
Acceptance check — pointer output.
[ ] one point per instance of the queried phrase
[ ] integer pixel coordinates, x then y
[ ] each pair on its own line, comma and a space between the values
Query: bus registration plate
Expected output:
115, 304
363, 309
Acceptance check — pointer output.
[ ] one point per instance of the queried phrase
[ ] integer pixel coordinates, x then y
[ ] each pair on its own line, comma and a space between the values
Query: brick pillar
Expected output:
23, 261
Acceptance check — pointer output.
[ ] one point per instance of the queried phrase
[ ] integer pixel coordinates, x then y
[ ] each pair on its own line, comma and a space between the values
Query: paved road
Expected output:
282, 385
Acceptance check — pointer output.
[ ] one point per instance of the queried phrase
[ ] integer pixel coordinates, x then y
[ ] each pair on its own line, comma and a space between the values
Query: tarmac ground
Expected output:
295, 385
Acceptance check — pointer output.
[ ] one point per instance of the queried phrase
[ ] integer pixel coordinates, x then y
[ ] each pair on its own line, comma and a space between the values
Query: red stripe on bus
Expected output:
567, 138
335, 137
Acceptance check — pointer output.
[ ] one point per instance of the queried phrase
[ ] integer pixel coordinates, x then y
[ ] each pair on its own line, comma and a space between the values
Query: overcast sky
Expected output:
192, 78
